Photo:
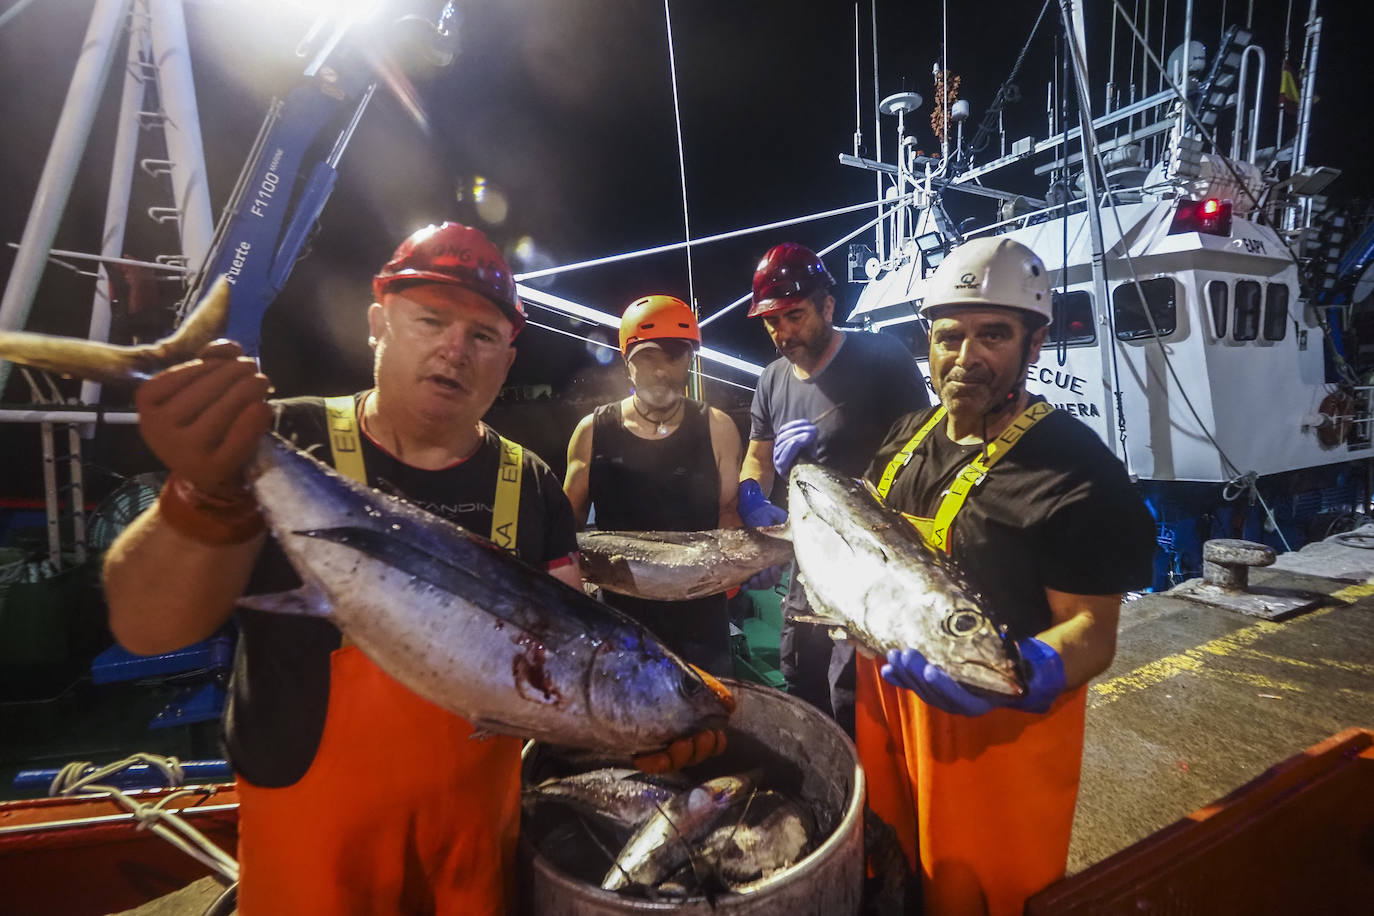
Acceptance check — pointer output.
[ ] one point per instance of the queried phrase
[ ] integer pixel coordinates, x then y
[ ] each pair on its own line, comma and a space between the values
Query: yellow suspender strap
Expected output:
978, 468
342, 416
505, 512
344, 442
900, 459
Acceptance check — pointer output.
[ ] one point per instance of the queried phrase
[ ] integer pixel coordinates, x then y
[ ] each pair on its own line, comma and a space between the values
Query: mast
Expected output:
1073, 29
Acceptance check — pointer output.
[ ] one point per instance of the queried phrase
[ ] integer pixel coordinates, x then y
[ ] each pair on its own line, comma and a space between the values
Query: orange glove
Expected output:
693, 748
203, 419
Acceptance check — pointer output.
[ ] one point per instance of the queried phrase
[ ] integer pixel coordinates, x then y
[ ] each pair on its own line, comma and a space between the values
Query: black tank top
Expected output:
668, 484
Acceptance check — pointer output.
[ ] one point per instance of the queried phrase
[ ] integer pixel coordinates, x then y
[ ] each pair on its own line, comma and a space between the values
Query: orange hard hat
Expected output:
657, 318
455, 255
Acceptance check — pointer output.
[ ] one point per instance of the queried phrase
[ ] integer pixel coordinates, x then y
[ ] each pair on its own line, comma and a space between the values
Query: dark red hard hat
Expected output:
788, 272
456, 255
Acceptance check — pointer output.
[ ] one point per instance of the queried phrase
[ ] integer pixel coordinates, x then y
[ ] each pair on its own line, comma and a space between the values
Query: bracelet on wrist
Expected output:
209, 518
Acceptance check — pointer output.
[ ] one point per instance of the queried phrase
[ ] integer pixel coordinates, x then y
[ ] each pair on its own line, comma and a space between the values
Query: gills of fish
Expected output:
664, 841
618, 797
679, 565
866, 567
468, 626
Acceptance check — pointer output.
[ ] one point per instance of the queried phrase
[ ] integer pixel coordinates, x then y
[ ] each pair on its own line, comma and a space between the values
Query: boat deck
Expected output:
1201, 700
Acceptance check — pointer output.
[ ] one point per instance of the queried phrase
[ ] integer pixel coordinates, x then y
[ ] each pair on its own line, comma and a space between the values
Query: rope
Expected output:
681, 158
168, 825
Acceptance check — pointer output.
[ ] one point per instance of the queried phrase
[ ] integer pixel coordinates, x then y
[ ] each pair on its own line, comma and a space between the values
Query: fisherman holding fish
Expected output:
1045, 523
832, 396
660, 461
356, 795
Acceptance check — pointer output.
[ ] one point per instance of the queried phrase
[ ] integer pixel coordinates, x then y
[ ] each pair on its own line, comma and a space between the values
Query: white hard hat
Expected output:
995, 271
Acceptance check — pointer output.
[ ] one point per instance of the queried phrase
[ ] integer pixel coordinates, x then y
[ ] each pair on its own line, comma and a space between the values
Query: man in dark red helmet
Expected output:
830, 397
661, 461
356, 795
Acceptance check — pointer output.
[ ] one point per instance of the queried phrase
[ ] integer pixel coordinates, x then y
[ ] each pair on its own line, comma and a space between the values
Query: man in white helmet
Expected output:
1046, 525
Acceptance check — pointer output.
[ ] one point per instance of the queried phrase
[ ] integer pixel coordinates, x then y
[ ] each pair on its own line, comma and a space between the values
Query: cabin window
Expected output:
1247, 311
1218, 296
1132, 322
1275, 311
1073, 318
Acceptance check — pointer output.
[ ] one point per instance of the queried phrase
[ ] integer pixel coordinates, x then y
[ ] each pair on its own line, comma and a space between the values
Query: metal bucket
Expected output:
800, 751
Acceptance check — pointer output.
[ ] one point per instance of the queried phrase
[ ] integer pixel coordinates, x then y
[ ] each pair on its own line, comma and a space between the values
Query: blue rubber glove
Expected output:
792, 441
755, 509
758, 512
908, 668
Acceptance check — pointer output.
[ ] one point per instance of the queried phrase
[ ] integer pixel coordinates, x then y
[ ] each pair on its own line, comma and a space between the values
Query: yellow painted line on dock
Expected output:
1196, 659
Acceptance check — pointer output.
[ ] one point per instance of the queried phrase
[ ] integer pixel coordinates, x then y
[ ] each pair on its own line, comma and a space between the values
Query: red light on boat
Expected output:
1210, 206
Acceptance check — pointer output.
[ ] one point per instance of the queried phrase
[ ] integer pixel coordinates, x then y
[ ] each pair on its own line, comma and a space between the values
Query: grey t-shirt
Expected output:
869, 383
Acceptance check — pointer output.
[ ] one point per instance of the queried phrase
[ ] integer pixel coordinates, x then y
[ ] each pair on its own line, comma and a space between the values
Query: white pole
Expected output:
55, 184
121, 182
177, 90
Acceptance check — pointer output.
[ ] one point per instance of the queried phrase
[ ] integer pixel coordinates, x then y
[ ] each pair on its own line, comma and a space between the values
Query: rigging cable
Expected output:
1006, 93
681, 158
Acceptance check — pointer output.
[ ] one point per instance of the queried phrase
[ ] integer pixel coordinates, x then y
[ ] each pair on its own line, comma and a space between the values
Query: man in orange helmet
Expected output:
660, 461
356, 796
831, 397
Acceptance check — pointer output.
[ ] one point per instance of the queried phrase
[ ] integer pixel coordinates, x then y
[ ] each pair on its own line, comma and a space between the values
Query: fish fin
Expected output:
482, 729
205, 322
819, 620
782, 532
306, 601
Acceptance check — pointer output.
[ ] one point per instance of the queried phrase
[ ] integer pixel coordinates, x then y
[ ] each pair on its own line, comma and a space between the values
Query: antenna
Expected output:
858, 113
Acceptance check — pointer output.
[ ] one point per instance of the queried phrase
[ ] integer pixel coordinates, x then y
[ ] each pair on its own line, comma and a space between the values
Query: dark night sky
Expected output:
565, 106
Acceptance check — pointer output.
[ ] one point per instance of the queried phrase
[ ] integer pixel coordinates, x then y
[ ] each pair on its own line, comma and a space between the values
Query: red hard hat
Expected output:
657, 318
788, 272
456, 255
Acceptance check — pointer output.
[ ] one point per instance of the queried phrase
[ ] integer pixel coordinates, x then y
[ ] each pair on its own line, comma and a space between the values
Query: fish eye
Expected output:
963, 622
689, 684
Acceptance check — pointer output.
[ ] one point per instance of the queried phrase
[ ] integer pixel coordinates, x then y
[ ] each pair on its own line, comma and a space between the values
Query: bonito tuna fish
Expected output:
864, 566
679, 565
448, 614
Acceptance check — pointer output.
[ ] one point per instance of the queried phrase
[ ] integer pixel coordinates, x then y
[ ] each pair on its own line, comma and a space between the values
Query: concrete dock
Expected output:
1200, 699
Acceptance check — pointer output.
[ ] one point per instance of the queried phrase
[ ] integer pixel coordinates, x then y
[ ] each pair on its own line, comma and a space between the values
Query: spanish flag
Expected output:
1288, 89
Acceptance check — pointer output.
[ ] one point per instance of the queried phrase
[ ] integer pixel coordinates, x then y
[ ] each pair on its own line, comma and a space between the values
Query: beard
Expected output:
974, 392
659, 397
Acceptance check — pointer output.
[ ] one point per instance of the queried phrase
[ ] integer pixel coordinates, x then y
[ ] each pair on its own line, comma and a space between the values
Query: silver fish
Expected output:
110, 364
448, 614
679, 565
664, 841
618, 797
468, 626
866, 567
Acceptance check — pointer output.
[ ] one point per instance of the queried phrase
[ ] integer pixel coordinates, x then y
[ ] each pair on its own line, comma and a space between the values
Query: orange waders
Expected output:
402, 811
986, 802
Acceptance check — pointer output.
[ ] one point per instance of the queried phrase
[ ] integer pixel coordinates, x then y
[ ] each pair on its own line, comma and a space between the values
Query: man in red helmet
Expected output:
831, 396
355, 795
660, 461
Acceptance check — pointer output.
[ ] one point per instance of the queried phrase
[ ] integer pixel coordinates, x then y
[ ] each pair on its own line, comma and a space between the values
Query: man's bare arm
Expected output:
577, 482
165, 590
1083, 633
758, 464
725, 445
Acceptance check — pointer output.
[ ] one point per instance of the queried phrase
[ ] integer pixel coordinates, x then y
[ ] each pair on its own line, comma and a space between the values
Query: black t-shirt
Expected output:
1057, 511
873, 380
279, 694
